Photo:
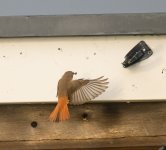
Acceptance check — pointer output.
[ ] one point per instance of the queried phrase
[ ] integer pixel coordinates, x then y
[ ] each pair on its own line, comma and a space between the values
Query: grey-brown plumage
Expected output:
76, 92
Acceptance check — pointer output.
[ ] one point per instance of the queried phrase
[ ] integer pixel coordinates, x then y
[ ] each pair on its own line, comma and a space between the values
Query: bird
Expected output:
75, 92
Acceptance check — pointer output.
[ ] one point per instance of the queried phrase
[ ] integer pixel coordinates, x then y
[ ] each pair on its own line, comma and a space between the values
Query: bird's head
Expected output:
69, 75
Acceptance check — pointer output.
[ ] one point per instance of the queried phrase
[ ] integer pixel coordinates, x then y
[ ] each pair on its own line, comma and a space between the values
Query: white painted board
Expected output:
31, 67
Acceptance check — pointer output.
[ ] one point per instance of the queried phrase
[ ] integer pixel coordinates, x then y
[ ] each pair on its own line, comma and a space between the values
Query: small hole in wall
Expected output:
33, 124
85, 116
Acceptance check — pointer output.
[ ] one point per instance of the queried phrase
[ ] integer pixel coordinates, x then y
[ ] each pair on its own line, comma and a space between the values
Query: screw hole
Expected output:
149, 52
85, 116
34, 124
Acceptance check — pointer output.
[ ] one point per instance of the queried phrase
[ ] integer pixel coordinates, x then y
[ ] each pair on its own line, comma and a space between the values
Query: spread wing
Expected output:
81, 91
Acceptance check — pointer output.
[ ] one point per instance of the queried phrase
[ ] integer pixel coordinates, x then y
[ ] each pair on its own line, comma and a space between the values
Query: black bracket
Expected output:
140, 52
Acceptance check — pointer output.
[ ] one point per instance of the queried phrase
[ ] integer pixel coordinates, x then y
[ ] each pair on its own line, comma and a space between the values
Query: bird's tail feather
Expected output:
60, 112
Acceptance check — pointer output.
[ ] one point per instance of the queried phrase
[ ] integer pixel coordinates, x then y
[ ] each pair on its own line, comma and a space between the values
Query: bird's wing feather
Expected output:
81, 90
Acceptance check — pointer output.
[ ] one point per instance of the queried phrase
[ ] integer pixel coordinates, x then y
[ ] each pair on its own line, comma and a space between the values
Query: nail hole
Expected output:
34, 124
85, 116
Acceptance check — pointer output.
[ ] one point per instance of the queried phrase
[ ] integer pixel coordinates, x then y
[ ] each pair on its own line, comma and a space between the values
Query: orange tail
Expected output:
60, 112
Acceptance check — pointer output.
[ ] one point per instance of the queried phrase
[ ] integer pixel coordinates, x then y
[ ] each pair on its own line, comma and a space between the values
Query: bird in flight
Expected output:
75, 92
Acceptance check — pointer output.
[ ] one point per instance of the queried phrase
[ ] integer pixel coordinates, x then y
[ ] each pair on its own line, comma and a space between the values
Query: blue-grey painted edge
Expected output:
83, 25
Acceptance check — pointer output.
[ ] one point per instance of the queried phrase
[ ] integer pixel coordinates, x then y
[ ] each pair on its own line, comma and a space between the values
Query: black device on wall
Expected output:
140, 52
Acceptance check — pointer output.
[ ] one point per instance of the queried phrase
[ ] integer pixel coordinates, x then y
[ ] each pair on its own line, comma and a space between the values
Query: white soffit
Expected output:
31, 67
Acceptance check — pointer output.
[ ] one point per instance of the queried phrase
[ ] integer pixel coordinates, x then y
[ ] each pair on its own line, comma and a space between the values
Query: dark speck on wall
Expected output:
134, 86
59, 49
94, 53
87, 58
21, 53
163, 70
4, 56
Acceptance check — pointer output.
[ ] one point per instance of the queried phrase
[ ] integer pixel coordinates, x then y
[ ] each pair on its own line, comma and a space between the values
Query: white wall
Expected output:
31, 67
